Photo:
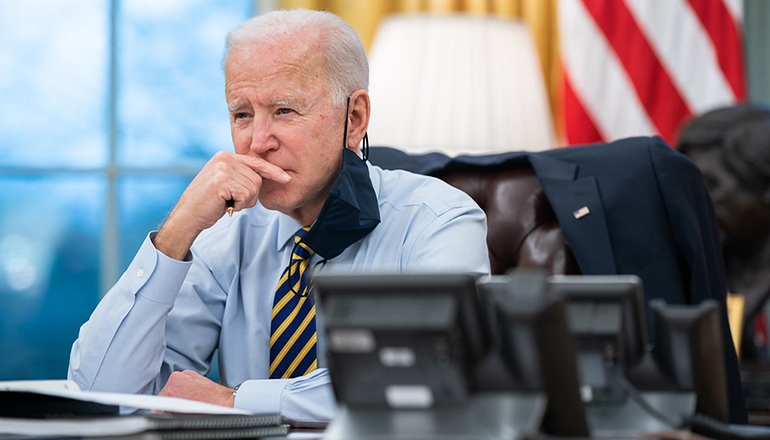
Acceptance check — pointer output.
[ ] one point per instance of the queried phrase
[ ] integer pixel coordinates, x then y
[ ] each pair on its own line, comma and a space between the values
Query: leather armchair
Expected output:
523, 230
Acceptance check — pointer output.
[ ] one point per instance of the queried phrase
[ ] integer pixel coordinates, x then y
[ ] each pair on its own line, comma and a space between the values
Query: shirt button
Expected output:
140, 273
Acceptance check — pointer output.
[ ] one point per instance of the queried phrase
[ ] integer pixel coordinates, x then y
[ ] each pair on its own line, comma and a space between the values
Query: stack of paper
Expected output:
166, 425
61, 409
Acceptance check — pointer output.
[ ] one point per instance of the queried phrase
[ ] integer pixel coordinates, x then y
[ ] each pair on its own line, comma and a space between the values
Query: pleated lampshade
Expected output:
457, 83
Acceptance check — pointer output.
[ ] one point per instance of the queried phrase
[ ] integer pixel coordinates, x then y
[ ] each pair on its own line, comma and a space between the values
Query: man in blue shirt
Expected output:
296, 91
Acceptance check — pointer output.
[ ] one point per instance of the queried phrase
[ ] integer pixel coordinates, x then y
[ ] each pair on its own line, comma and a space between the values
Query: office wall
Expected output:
757, 32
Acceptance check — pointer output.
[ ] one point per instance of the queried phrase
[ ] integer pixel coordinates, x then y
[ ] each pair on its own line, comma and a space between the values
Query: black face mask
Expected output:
350, 211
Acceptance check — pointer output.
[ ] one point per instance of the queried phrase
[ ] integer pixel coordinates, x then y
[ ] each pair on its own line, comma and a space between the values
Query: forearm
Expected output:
175, 237
121, 347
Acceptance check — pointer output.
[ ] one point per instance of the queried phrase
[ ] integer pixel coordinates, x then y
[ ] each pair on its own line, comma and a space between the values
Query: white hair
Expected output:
346, 63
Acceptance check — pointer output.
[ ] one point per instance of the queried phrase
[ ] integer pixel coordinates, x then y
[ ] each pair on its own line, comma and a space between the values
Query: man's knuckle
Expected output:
221, 167
220, 155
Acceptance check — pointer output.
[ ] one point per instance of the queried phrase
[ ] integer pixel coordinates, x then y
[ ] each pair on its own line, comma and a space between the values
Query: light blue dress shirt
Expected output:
165, 315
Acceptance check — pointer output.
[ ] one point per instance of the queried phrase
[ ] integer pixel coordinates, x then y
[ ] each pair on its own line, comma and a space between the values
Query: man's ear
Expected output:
358, 118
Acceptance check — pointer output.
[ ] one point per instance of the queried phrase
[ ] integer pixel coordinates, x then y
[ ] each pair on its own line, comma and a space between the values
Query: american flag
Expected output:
582, 212
643, 67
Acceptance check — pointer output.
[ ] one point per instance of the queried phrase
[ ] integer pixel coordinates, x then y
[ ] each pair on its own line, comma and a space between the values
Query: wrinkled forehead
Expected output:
291, 64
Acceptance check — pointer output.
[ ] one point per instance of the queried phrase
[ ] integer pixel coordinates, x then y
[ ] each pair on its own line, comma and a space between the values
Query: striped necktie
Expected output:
292, 327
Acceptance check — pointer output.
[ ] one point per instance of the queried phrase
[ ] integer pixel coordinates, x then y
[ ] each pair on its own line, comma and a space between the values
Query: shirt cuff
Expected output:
154, 275
261, 396
302, 399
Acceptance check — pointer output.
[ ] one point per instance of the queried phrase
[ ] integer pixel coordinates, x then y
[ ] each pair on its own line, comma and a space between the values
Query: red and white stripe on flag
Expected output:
643, 67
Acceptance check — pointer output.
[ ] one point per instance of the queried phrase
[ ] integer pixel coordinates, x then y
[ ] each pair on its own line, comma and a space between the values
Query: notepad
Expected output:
61, 409
127, 402
166, 425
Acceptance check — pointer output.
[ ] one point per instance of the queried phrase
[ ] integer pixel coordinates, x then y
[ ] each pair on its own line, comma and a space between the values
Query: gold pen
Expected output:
230, 206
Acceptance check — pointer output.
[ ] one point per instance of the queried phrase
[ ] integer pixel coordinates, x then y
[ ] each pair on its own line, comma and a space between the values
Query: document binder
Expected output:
36, 405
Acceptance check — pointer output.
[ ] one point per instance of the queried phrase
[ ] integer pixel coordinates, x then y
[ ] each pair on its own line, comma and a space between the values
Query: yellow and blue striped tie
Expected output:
292, 327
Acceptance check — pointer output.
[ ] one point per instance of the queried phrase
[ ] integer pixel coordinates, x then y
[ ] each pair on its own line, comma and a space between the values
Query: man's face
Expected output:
280, 110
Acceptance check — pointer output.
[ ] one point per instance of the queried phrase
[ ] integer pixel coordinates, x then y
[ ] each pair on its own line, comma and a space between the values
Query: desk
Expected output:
631, 417
485, 416
504, 416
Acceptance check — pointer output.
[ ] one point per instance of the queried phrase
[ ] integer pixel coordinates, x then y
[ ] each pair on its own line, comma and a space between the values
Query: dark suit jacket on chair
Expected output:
649, 214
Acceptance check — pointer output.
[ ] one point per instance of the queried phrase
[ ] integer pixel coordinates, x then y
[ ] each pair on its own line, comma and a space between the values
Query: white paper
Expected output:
38, 385
305, 436
109, 426
127, 402
142, 401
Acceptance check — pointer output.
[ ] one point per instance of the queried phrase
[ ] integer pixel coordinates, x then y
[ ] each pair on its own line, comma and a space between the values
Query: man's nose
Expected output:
263, 138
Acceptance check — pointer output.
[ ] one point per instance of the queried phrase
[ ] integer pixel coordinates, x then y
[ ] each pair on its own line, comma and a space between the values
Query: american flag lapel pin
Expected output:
582, 212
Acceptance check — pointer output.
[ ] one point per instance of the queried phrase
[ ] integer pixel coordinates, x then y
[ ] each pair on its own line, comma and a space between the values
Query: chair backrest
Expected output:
523, 230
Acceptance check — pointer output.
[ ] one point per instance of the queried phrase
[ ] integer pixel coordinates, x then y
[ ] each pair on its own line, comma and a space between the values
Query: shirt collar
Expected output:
287, 227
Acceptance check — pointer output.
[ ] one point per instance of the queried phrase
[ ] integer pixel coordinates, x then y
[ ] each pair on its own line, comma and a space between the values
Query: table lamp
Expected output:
457, 83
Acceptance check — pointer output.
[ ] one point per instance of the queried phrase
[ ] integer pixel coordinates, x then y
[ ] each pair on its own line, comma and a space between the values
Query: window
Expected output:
108, 110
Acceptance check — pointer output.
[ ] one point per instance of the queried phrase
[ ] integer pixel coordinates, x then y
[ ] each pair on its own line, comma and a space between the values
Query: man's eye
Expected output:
284, 111
240, 115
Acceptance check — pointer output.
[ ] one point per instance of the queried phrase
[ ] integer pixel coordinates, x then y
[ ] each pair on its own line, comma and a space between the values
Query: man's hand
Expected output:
227, 175
188, 384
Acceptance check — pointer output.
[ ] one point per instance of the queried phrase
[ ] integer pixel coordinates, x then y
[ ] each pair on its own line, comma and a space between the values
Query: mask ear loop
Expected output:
289, 275
309, 287
291, 263
365, 147
345, 136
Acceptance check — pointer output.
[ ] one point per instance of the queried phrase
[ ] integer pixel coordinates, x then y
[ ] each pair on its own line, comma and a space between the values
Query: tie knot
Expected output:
301, 251
300, 234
